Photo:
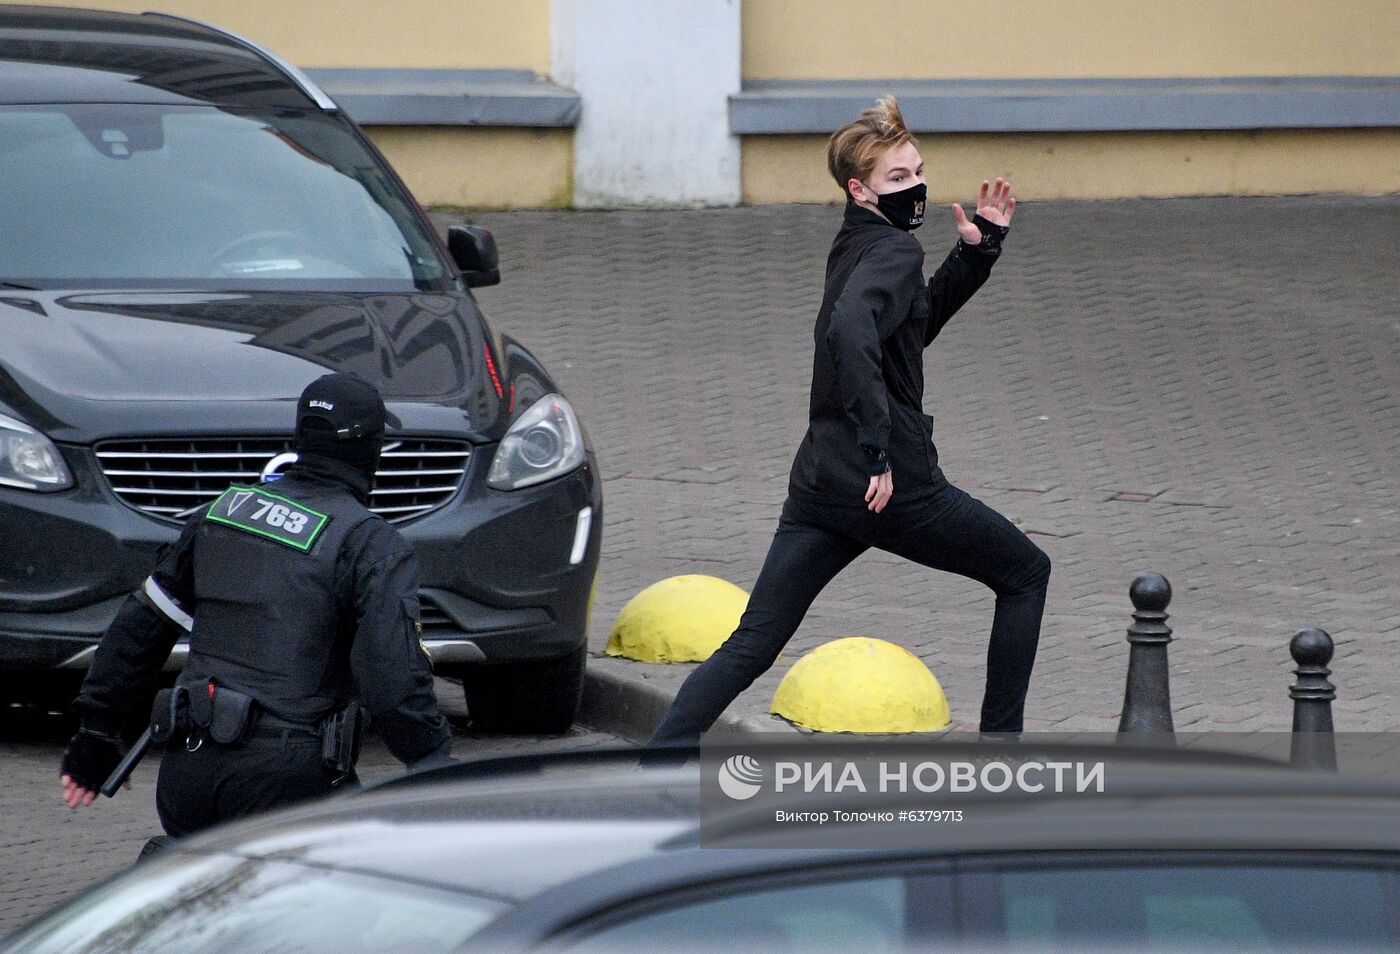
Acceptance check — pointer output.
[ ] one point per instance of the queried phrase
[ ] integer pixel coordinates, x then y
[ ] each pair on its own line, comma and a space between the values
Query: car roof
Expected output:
486, 836
517, 828
64, 55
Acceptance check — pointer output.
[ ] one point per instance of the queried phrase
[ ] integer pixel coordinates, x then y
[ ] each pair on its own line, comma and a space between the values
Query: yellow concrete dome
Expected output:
681, 619
859, 684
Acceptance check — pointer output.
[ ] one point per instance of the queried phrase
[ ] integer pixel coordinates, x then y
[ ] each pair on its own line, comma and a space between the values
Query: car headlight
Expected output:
544, 442
29, 460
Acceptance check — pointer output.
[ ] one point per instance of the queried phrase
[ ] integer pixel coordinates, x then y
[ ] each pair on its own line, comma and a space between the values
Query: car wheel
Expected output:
526, 698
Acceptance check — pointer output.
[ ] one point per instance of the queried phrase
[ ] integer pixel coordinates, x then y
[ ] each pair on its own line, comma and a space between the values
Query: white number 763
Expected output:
281, 516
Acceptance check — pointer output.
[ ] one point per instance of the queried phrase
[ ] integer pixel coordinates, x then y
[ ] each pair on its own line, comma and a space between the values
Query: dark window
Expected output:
200, 197
867, 915
1263, 907
224, 904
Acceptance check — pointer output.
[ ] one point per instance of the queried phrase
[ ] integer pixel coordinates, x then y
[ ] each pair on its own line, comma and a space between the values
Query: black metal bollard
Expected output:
1314, 745
1147, 701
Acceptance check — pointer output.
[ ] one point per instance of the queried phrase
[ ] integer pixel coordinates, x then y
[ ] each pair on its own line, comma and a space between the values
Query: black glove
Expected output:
992, 236
90, 758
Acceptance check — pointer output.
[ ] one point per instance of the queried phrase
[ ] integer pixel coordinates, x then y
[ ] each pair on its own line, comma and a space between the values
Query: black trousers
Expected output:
952, 531
217, 783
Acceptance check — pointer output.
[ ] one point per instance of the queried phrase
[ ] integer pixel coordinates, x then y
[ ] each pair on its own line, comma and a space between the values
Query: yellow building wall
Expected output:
1103, 165
482, 168
422, 34
904, 39
1059, 39
1019, 39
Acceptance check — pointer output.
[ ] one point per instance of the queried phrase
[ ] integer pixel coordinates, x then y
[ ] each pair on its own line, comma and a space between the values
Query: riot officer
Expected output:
299, 604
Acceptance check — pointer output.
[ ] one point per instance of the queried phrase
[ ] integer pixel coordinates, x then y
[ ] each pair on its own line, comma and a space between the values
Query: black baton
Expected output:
127, 765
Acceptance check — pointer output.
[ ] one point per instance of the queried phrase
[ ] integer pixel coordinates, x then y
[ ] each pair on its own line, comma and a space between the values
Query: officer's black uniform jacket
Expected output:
302, 633
876, 318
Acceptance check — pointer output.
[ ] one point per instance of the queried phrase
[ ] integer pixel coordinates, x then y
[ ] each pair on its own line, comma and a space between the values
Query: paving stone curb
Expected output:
627, 705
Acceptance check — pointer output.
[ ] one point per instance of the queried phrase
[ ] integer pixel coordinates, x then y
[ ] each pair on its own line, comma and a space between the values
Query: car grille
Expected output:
434, 621
170, 479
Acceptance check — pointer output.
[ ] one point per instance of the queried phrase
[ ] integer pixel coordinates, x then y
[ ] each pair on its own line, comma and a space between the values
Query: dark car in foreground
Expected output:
193, 232
580, 852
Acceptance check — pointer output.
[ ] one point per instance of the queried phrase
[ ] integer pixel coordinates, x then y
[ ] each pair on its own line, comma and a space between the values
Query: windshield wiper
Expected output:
17, 285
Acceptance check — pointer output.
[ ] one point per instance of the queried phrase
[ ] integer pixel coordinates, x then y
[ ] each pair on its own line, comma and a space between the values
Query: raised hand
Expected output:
995, 203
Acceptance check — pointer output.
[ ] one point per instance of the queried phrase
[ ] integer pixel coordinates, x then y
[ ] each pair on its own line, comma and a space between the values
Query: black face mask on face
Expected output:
905, 208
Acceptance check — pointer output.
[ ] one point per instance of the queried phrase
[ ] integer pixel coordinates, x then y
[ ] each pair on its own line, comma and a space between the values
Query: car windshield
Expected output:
103, 195
226, 903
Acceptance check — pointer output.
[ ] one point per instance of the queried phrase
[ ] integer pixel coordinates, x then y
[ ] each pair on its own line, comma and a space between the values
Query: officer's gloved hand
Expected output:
90, 758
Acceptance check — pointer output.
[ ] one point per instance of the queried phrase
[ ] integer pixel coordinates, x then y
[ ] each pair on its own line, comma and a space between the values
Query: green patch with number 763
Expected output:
254, 510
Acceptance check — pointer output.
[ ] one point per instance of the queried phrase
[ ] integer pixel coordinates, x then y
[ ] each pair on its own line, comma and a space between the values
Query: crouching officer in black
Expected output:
299, 604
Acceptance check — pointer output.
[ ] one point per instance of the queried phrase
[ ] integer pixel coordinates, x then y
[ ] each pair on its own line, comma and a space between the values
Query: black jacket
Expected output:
876, 318
303, 632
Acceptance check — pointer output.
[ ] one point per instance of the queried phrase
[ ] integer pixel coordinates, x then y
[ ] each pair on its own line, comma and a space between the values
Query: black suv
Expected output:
193, 231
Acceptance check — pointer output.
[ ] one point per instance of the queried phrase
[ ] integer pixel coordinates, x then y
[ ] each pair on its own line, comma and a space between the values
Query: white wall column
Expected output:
655, 78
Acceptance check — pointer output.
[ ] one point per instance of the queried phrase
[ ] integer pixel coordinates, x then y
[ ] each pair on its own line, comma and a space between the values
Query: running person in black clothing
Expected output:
867, 472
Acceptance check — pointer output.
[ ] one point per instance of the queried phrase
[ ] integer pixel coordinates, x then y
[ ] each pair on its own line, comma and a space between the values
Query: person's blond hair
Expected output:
852, 151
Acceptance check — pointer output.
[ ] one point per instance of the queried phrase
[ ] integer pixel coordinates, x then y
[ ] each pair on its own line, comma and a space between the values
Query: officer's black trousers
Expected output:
952, 532
216, 783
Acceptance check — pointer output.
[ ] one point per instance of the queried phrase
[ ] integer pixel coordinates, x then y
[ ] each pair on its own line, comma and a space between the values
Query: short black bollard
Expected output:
1314, 746
1147, 702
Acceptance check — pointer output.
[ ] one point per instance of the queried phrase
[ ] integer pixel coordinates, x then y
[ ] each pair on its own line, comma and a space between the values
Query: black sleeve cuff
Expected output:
101, 722
877, 461
992, 236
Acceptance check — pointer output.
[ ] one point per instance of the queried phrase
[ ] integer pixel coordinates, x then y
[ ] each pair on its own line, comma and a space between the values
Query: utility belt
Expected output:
234, 719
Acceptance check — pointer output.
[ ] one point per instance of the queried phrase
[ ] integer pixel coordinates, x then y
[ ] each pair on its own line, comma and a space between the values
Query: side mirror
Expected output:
474, 251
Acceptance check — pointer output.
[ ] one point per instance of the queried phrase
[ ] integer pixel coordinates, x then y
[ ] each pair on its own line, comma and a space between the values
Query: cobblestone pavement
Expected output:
48, 854
1209, 388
